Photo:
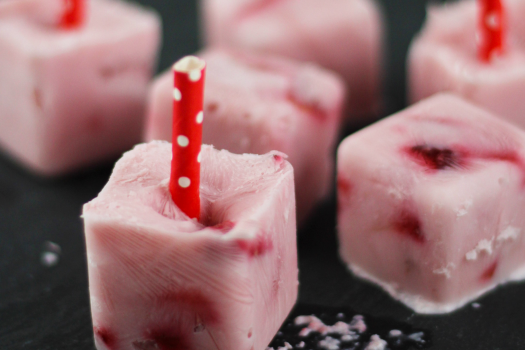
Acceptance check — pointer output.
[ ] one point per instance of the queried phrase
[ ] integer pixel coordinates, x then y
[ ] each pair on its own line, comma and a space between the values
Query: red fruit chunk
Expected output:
344, 186
224, 227
489, 272
506, 156
344, 190
510, 156
257, 247
167, 339
106, 336
436, 158
310, 109
278, 159
172, 332
408, 223
192, 301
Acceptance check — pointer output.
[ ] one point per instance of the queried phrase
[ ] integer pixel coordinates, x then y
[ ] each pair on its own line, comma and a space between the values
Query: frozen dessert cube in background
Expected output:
159, 280
69, 98
444, 57
431, 203
342, 35
257, 103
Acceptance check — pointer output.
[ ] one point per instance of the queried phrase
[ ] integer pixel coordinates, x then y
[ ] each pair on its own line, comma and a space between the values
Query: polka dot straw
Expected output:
492, 29
188, 96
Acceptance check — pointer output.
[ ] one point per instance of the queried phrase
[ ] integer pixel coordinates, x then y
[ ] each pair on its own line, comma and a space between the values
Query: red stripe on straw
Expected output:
492, 29
74, 14
188, 99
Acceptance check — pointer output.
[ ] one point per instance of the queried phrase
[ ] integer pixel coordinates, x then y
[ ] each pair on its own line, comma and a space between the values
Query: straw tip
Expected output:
188, 64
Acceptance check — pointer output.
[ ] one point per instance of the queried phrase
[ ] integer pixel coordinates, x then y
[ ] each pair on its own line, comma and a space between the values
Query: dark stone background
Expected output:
45, 308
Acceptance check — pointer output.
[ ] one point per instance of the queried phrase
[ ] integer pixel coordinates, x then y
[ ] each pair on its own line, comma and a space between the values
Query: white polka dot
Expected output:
492, 20
177, 95
199, 157
200, 117
183, 141
184, 182
195, 75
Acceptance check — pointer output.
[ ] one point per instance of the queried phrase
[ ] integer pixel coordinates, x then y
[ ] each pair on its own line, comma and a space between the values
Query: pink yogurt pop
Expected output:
69, 98
431, 203
341, 35
444, 57
159, 280
258, 103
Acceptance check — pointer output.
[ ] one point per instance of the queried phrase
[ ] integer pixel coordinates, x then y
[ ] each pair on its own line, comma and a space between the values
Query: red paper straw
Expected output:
188, 99
492, 29
74, 14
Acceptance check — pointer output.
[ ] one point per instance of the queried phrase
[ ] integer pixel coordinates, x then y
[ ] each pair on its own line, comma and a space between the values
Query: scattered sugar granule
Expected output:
301, 320
446, 270
358, 324
349, 337
49, 259
341, 328
305, 332
510, 232
329, 343
376, 343
417, 337
51, 254
476, 305
300, 345
463, 209
484, 245
395, 333
287, 346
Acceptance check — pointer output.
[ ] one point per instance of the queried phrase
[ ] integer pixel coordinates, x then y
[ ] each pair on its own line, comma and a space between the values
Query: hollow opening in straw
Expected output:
189, 64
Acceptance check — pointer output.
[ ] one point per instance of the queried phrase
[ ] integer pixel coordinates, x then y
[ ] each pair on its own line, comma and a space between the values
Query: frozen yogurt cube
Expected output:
444, 57
69, 98
259, 103
341, 35
431, 203
159, 280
